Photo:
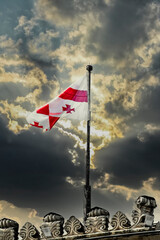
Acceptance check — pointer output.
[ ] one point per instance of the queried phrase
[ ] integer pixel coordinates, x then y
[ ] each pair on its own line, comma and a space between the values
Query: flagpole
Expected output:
87, 187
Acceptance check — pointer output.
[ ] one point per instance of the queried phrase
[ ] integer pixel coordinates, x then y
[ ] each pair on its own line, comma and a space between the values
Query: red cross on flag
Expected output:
70, 104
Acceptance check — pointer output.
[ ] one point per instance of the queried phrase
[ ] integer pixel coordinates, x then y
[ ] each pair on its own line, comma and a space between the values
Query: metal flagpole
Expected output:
87, 187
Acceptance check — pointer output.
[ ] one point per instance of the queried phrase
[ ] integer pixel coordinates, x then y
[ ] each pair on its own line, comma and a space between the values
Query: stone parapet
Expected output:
96, 226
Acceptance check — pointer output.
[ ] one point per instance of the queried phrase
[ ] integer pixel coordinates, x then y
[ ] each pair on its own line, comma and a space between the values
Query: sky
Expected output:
44, 47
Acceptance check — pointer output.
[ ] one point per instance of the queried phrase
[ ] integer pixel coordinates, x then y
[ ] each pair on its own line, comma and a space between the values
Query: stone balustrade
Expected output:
96, 226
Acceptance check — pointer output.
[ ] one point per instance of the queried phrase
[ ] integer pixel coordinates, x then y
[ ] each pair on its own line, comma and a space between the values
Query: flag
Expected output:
70, 104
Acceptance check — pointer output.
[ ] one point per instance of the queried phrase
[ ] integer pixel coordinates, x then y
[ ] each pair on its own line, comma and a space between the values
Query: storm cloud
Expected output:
123, 28
35, 168
132, 159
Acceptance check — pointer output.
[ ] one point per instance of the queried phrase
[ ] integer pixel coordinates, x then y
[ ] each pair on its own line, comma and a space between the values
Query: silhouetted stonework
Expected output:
95, 227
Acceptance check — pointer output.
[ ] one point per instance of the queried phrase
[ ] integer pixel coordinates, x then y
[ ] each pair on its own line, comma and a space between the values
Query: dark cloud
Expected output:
35, 166
28, 106
45, 94
65, 8
124, 26
20, 69
40, 58
130, 161
148, 107
9, 18
68, 12
116, 107
155, 65
11, 91
146, 110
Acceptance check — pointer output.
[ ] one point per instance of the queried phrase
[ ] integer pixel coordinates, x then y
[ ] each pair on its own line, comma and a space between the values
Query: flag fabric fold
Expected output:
70, 104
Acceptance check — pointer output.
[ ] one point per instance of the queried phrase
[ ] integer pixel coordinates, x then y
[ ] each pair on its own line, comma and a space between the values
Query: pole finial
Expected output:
89, 68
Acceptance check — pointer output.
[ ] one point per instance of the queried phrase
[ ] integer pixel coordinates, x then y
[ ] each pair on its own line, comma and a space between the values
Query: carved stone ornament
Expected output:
97, 211
8, 229
97, 220
146, 204
143, 215
96, 224
52, 217
120, 221
29, 232
136, 214
8, 234
73, 226
52, 229
7, 223
53, 225
157, 227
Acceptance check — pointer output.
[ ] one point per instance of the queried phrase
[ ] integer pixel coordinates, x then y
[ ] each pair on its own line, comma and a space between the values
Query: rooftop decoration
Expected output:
96, 226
